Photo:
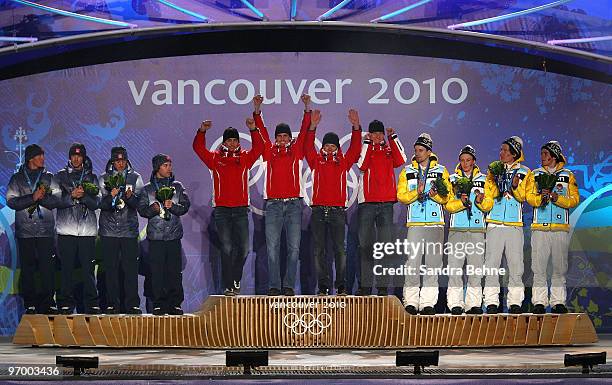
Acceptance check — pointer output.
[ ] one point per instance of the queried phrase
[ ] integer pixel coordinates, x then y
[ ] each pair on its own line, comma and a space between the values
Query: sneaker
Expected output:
559, 309
176, 310
30, 310
382, 292
411, 310
428, 310
363, 291
492, 309
341, 291
237, 287
66, 310
51, 310
474, 310
323, 291
457, 310
158, 311
229, 292
111, 310
135, 311
288, 291
515, 309
273, 292
539, 309
93, 310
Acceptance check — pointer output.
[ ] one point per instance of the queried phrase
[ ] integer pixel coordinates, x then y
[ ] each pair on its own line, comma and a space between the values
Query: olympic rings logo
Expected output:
307, 322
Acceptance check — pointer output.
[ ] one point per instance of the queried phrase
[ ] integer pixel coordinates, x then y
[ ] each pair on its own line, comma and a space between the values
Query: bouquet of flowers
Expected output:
498, 170
116, 181
163, 194
440, 186
36, 205
90, 188
545, 181
464, 186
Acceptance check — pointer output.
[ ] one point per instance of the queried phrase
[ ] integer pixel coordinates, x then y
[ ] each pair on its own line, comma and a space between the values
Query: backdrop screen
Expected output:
156, 105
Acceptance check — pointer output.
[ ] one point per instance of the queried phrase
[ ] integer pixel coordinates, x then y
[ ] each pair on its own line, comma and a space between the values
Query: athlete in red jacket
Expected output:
283, 192
329, 198
377, 194
230, 165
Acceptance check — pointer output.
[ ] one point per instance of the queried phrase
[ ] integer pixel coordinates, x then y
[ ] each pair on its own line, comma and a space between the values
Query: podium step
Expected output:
305, 322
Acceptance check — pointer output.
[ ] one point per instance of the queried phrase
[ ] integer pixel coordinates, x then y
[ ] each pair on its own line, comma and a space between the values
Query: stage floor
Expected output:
308, 363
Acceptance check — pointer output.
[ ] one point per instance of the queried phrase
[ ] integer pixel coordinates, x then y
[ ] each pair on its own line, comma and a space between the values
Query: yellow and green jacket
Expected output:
429, 212
555, 215
509, 209
459, 219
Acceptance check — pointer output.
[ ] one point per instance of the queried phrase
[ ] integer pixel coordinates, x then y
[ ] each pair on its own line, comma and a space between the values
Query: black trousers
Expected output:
322, 220
166, 278
36, 254
120, 253
72, 248
233, 229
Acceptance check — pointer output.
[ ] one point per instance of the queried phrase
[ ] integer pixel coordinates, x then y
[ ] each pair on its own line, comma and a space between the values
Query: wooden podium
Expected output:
305, 322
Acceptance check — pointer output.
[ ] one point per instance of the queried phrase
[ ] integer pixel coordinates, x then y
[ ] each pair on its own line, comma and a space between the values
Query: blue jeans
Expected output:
375, 224
233, 229
279, 215
326, 219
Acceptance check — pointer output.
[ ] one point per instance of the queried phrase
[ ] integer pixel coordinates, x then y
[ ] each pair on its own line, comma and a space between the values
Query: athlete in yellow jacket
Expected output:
550, 227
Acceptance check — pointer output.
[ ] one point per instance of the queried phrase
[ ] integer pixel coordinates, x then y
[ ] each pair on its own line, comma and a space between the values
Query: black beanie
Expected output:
229, 133
331, 138
555, 150
282, 128
468, 150
515, 144
424, 140
376, 126
77, 149
31, 151
158, 160
118, 153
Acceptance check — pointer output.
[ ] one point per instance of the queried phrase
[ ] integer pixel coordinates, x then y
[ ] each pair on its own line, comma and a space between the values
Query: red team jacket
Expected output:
377, 179
329, 172
283, 178
230, 170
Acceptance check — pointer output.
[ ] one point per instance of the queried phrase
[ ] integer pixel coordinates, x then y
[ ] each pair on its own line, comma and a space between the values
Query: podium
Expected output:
330, 322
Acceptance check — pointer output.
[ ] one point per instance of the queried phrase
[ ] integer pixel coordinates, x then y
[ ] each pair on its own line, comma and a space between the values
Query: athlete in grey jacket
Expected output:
164, 232
77, 228
33, 194
118, 230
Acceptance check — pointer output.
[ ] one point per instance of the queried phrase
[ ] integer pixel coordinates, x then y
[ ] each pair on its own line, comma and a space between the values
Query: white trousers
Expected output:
506, 240
456, 259
543, 245
430, 255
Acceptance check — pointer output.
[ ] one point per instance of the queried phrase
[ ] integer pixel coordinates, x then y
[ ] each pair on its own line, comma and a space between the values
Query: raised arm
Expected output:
257, 140
397, 149
259, 122
352, 154
199, 145
309, 145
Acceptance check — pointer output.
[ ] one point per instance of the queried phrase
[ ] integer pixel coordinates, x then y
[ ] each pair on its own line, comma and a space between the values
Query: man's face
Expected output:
232, 144
165, 170
120, 164
467, 162
329, 148
421, 153
76, 160
377, 137
283, 139
547, 159
505, 155
37, 162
